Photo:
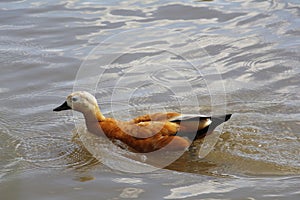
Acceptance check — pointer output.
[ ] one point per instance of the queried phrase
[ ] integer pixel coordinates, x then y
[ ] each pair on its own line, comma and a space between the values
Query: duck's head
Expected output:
80, 101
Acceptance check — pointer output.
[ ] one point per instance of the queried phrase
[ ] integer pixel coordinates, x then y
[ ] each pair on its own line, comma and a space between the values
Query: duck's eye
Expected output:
74, 99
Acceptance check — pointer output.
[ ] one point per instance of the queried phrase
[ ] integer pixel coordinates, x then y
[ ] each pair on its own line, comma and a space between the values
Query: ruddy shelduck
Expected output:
145, 133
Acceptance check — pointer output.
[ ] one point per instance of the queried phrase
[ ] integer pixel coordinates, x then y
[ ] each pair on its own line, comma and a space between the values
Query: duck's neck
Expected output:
94, 115
92, 119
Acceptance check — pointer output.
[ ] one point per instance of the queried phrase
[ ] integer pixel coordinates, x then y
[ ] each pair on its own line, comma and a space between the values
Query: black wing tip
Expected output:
221, 118
227, 117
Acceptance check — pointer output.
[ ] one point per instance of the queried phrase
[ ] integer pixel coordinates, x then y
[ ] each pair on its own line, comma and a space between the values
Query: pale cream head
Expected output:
82, 101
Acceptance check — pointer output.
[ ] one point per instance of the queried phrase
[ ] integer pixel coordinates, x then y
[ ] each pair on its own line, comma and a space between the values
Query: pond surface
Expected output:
240, 57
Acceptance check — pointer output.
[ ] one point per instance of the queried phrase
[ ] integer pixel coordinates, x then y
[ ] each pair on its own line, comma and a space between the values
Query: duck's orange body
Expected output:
142, 135
146, 133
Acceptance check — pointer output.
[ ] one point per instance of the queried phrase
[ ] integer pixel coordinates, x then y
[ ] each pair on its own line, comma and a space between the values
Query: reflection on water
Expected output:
253, 45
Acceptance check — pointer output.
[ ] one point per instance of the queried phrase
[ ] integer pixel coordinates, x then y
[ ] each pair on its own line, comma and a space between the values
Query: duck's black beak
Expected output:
64, 106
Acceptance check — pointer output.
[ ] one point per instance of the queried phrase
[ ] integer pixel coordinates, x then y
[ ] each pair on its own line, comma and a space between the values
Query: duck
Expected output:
172, 131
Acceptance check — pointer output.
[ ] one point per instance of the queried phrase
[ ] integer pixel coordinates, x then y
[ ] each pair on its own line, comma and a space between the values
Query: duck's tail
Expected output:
215, 121
203, 124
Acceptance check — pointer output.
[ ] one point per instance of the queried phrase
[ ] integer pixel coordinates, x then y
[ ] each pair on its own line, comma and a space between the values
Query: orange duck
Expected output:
145, 133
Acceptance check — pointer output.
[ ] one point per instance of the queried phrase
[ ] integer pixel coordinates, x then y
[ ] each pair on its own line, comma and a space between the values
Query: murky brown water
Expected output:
253, 49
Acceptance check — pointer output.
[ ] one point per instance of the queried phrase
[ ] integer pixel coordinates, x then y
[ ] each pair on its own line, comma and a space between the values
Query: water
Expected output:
253, 50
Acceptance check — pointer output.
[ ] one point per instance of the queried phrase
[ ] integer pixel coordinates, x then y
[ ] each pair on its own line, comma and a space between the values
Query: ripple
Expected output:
268, 5
30, 122
41, 149
4, 122
149, 95
53, 152
19, 51
172, 76
270, 62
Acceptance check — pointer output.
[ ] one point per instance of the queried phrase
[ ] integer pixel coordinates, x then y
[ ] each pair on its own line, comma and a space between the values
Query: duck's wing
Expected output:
150, 128
193, 126
174, 134
163, 116
155, 135
191, 120
197, 126
181, 129
146, 136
